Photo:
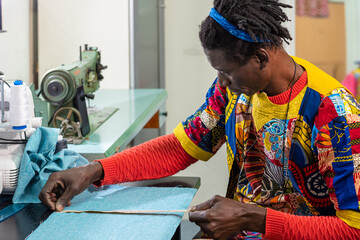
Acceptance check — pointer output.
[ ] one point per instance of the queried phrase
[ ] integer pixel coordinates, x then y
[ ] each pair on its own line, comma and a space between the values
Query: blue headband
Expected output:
231, 28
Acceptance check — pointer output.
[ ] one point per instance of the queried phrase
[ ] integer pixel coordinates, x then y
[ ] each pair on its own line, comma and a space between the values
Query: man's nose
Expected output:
223, 80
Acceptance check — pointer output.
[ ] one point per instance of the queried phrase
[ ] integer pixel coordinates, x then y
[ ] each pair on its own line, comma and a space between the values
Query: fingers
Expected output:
200, 212
215, 217
55, 197
198, 216
55, 194
58, 190
62, 186
206, 205
64, 199
47, 195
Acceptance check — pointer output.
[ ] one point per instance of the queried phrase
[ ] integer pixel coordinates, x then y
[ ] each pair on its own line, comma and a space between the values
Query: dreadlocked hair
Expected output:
259, 18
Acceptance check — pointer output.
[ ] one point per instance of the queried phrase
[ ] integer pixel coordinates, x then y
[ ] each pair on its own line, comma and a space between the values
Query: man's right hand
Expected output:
62, 186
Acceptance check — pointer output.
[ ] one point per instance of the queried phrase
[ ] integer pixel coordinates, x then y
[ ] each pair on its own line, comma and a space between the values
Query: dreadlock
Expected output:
259, 18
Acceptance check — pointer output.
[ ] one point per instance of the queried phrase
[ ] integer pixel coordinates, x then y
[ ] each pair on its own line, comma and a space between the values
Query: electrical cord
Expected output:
52, 116
5, 141
40, 92
13, 142
285, 161
6, 83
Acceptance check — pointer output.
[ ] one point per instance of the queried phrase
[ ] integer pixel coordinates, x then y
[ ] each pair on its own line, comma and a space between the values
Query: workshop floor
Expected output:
188, 230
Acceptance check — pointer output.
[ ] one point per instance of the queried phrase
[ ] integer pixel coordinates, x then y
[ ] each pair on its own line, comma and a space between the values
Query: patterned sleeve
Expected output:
203, 133
337, 144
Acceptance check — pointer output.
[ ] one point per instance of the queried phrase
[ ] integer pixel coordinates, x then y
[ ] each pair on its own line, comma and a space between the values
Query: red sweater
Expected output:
164, 156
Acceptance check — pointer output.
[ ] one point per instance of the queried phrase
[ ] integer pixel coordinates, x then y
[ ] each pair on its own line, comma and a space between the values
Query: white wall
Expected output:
352, 22
14, 44
290, 12
66, 25
188, 76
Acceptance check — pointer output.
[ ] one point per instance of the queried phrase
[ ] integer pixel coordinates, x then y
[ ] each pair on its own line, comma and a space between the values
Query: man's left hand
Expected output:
223, 218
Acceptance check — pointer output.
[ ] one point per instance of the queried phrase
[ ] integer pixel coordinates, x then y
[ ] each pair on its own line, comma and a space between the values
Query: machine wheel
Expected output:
58, 87
64, 118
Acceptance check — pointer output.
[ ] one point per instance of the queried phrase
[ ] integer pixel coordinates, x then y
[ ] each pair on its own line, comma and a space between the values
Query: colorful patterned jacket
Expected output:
323, 154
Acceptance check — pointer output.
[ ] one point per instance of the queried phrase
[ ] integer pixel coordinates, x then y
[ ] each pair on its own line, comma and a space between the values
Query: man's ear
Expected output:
261, 55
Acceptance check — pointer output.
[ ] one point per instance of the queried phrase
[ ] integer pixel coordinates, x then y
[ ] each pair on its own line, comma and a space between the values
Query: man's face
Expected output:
248, 79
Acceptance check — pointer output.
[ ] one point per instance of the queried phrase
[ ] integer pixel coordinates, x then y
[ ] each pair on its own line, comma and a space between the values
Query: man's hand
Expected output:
223, 218
62, 186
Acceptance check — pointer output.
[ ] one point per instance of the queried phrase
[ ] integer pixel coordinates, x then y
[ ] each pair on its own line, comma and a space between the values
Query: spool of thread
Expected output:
19, 106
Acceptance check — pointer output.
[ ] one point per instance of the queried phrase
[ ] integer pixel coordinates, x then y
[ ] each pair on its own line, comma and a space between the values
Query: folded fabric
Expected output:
39, 161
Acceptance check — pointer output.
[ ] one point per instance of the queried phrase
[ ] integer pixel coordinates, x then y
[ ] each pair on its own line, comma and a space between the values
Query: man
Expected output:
291, 133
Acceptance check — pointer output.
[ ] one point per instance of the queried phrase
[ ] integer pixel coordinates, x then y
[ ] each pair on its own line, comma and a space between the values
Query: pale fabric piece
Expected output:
209, 121
119, 226
356, 160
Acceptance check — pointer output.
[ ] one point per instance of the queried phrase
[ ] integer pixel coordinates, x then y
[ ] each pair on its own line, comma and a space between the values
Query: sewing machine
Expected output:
65, 88
12, 137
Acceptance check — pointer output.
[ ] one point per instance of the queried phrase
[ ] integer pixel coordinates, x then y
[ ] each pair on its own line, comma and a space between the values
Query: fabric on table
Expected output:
39, 161
118, 226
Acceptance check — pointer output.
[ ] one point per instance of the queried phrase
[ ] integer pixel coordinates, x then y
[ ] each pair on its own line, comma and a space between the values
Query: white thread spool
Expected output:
19, 106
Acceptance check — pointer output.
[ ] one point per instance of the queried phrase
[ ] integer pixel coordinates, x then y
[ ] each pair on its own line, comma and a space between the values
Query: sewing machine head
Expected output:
65, 89
58, 86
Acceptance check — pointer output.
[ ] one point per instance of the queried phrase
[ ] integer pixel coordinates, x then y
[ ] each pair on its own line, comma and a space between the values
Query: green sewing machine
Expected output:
66, 88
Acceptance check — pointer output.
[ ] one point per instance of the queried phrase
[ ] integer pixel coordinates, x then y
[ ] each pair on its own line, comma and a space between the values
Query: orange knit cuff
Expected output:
274, 224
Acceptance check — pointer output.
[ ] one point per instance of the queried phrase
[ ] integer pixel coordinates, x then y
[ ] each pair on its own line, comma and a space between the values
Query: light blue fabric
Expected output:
118, 226
39, 161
